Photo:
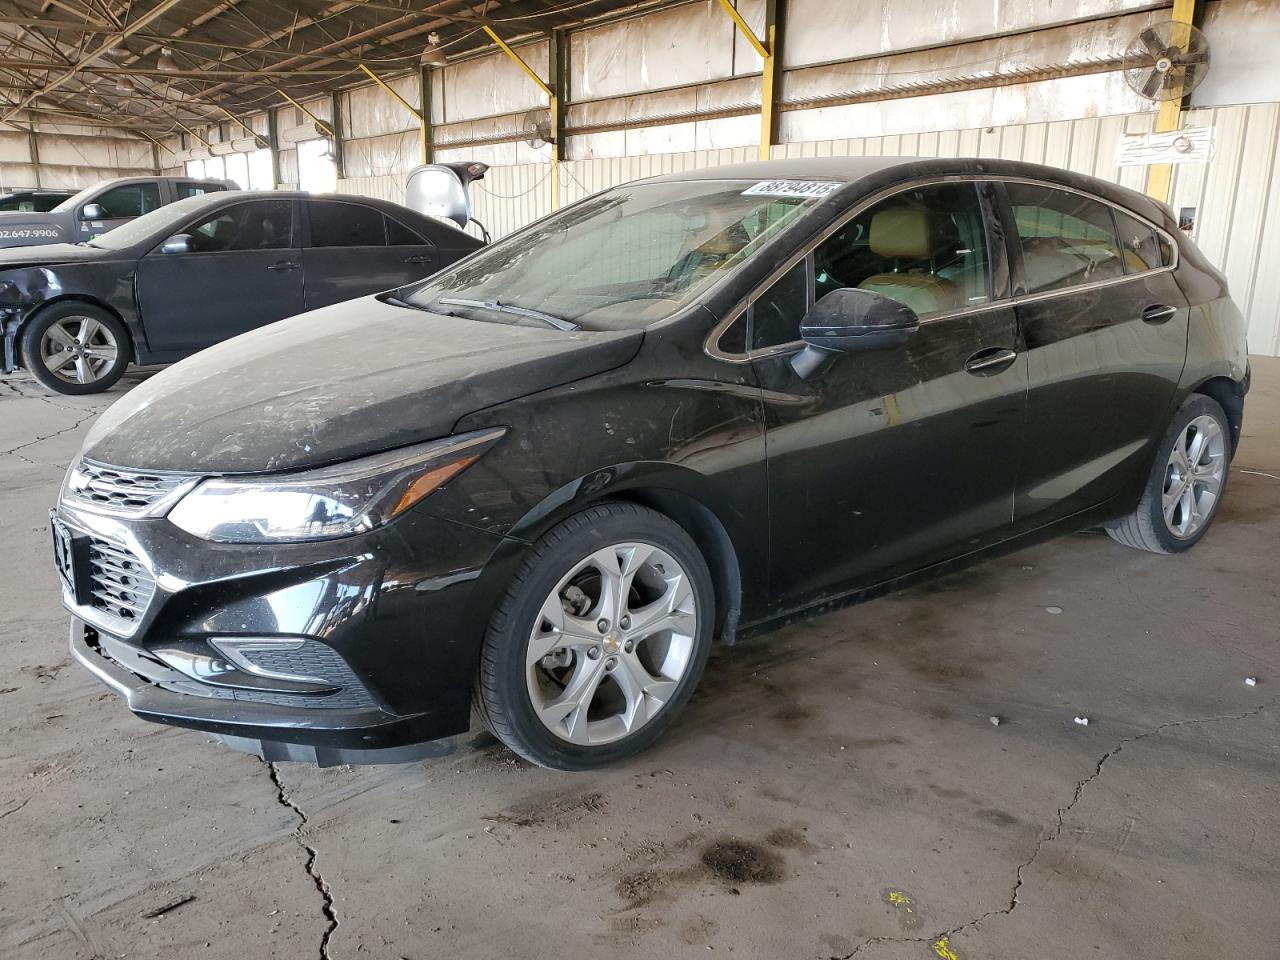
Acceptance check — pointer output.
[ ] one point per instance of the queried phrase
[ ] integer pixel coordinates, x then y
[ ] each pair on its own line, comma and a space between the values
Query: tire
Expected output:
559, 602
1172, 516
52, 349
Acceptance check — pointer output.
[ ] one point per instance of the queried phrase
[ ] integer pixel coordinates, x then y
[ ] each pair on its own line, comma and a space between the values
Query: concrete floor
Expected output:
835, 789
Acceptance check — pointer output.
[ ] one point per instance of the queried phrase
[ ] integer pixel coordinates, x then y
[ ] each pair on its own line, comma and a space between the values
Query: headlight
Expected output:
334, 501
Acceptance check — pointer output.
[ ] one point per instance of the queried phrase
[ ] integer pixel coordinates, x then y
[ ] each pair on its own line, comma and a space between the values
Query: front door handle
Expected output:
991, 361
284, 265
417, 259
1158, 313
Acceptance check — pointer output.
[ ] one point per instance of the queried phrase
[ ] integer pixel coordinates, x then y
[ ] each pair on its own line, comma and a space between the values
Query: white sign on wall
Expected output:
1176, 146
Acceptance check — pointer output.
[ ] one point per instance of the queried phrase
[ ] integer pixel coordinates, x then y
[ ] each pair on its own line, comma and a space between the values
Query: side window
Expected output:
398, 235
255, 225
1139, 243
1066, 239
925, 248
338, 224
191, 190
776, 314
130, 200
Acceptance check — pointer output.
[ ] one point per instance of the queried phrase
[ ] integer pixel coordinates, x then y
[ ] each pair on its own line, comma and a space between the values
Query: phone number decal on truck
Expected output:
28, 233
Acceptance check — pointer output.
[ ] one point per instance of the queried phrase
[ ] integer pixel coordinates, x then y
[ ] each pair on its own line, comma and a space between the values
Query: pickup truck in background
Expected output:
95, 210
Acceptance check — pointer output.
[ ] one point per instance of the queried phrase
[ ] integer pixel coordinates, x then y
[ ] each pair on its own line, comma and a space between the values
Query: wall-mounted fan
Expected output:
537, 128
1166, 61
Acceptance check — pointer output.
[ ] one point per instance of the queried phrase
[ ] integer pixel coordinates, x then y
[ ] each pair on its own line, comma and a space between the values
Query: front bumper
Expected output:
394, 618
323, 737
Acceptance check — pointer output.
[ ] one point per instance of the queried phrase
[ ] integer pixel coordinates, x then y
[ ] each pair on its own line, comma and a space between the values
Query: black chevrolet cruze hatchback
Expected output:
544, 481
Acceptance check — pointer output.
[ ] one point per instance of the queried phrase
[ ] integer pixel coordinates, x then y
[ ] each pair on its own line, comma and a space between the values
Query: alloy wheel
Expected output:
78, 349
611, 643
1193, 476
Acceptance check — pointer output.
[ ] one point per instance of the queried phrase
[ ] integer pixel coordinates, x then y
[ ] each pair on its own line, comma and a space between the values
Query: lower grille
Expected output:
119, 584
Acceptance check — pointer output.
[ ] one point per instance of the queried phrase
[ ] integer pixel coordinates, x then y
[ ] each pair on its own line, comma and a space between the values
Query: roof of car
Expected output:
881, 170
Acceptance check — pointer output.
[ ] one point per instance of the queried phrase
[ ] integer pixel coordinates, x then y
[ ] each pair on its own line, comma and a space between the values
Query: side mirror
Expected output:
441, 190
92, 211
178, 243
850, 320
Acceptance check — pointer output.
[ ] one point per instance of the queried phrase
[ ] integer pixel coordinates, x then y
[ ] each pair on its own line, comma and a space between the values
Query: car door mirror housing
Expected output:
92, 211
851, 320
178, 243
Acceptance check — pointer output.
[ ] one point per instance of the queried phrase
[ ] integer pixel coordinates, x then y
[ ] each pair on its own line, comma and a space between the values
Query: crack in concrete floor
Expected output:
943, 937
322, 887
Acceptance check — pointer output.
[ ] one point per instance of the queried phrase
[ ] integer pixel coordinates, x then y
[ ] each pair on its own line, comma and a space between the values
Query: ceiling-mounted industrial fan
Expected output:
1166, 61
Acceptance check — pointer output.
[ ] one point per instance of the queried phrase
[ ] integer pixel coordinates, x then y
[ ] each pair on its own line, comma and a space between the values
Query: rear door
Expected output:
886, 461
243, 271
119, 205
355, 250
1105, 327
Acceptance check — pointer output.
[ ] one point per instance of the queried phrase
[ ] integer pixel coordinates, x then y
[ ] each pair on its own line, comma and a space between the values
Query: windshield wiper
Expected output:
497, 307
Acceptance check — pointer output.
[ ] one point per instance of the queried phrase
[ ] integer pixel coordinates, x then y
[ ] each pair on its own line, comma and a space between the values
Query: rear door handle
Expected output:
993, 360
1158, 313
284, 265
418, 259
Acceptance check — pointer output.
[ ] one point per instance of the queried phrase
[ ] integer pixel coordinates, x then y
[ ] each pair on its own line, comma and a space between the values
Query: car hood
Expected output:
337, 383
51, 254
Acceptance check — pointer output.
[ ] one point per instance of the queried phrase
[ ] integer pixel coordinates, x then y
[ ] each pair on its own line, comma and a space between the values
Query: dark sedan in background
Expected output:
201, 270
542, 481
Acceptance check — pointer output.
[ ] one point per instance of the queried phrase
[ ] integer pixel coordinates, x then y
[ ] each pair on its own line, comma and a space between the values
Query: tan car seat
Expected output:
916, 237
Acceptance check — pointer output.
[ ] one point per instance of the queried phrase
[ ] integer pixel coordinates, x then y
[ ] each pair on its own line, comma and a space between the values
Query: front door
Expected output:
241, 271
886, 461
1105, 325
355, 251
119, 205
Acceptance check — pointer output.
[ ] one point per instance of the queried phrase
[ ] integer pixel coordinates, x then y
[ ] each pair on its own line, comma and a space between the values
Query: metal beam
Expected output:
385, 86
324, 125
161, 8
335, 111
426, 149
1160, 175
502, 44
558, 61
257, 137
746, 30
273, 144
774, 18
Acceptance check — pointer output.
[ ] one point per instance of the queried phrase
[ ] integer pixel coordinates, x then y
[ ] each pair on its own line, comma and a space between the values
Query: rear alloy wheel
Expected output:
1186, 483
75, 348
600, 641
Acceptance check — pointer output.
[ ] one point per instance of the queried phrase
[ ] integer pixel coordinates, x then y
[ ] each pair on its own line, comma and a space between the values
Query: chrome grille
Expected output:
119, 584
121, 491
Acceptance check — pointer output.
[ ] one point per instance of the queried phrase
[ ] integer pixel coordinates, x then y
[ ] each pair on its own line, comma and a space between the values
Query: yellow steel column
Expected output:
1160, 175
769, 80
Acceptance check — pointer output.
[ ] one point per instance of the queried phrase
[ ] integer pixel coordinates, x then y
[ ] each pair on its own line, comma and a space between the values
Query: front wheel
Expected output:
75, 348
600, 640
1186, 482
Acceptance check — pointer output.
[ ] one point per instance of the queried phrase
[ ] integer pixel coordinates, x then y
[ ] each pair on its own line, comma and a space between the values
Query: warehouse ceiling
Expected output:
154, 65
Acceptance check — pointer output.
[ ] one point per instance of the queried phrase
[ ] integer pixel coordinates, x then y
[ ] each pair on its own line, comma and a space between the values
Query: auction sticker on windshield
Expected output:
792, 188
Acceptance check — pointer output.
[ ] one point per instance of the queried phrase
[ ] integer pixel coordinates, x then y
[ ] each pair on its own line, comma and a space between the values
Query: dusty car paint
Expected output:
802, 493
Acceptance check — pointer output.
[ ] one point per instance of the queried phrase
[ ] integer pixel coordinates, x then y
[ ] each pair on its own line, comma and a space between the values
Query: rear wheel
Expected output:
600, 640
75, 348
1186, 482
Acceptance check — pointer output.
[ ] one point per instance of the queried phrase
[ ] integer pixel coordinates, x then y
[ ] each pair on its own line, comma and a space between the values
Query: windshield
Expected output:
624, 258
161, 223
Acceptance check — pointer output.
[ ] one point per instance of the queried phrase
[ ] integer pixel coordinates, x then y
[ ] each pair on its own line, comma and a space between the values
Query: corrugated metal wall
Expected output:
1236, 194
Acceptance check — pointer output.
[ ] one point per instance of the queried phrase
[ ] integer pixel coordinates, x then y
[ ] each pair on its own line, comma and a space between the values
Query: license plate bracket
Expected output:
71, 559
